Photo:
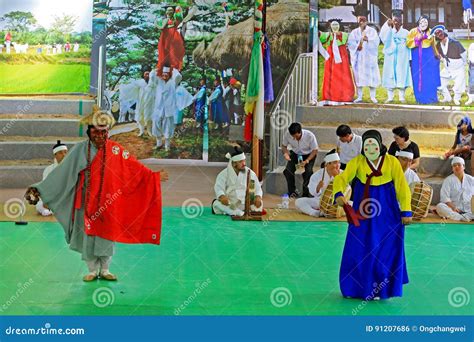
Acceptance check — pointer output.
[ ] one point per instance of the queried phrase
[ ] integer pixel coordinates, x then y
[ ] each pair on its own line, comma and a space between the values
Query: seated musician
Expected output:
406, 159
231, 186
318, 184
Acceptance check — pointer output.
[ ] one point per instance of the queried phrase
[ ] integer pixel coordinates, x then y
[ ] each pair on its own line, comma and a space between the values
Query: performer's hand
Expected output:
45, 206
258, 202
287, 156
390, 22
224, 199
163, 175
32, 195
466, 148
341, 200
366, 39
406, 220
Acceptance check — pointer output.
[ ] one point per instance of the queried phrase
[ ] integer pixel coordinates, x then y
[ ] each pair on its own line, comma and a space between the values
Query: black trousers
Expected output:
290, 174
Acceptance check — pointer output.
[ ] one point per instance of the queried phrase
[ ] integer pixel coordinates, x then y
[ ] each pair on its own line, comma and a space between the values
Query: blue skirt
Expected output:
430, 77
373, 261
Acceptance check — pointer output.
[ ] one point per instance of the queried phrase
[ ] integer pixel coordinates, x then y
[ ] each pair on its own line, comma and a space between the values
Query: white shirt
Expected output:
316, 178
304, 146
349, 150
458, 193
234, 185
49, 168
411, 176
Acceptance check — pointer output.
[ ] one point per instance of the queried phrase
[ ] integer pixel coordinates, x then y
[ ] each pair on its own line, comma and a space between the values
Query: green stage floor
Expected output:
210, 265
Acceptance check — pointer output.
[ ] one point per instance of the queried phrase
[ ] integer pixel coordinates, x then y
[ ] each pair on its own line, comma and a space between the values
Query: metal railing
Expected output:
296, 90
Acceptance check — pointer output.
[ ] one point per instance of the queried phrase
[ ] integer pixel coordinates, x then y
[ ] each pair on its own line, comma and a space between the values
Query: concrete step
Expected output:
20, 176
38, 127
441, 138
32, 149
81, 105
275, 183
372, 115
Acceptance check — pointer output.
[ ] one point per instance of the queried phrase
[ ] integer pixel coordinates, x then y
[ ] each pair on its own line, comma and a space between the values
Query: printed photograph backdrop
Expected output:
45, 46
420, 66
209, 43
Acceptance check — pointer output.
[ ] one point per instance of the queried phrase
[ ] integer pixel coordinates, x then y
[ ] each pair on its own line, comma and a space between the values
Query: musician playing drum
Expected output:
318, 184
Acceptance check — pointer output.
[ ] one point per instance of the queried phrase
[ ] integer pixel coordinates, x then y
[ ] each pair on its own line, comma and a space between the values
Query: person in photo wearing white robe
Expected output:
396, 64
183, 100
145, 104
406, 158
318, 183
363, 44
231, 185
165, 106
454, 57
59, 152
456, 194
470, 89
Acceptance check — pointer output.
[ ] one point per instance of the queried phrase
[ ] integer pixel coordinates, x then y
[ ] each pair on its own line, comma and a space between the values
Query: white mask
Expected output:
335, 26
423, 24
371, 149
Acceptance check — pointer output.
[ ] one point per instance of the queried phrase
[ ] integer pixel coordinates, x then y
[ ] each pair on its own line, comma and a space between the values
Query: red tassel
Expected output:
248, 127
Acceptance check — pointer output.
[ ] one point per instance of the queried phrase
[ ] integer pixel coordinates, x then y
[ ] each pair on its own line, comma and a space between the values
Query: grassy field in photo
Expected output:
44, 78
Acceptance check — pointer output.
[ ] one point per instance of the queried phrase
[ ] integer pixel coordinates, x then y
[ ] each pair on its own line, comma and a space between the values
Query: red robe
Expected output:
130, 207
170, 48
338, 85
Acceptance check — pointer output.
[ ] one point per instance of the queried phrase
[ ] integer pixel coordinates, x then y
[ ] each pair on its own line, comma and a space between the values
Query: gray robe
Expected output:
58, 193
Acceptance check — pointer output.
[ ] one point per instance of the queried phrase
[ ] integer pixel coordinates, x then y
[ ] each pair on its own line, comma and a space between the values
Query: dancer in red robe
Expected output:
338, 84
100, 194
171, 44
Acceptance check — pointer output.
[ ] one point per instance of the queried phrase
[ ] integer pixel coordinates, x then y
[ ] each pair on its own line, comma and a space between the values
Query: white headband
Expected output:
405, 154
457, 160
59, 149
331, 157
237, 157
166, 69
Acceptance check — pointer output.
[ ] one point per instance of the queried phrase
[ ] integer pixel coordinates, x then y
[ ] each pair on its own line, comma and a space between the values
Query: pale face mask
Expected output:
335, 26
371, 149
423, 24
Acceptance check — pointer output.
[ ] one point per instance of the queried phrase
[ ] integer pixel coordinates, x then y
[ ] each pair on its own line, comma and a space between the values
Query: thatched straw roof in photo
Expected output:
287, 30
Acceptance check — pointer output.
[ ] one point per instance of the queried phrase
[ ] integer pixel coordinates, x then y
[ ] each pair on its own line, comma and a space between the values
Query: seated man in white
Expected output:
406, 158
318, 183
59, 152
456, 194
231, 186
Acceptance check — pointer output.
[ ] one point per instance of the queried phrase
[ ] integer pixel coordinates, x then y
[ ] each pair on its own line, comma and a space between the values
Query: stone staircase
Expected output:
29, 128
433, 129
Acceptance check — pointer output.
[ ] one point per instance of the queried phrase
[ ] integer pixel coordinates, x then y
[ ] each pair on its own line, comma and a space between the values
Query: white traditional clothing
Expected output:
128, 96
454, 58
310, 206
145, 103
365, 62
396, 65
183, 100
234, 186
459, 193
39, 206
165, 107
411, 176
